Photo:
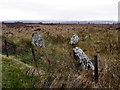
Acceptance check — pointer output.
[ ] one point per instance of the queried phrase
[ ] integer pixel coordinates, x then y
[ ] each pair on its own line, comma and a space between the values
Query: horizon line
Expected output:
58, 20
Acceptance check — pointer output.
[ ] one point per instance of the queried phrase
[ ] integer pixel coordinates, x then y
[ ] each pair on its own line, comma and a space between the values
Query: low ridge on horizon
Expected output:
63, 21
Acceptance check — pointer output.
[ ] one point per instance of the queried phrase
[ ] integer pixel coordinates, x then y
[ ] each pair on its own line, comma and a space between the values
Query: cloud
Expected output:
59, 9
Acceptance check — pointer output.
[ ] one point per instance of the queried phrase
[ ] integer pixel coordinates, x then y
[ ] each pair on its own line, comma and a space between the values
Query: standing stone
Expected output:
84, 61
37, 40
74, 39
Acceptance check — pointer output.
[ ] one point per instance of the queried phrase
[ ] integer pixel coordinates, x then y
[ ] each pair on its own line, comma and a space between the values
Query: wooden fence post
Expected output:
34, 58
96, 68
6, 48
14, 49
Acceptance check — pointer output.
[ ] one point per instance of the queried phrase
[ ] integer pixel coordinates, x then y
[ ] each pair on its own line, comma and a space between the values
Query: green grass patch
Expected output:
14, 75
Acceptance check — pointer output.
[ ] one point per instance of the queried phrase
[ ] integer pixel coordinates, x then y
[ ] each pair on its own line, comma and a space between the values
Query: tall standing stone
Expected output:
37, 40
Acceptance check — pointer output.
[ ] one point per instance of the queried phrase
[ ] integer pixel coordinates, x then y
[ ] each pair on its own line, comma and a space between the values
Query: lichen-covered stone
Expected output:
84, 61
37, 40
74, 39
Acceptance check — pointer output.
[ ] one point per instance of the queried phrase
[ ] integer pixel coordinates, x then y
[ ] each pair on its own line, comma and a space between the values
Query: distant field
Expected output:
55, 62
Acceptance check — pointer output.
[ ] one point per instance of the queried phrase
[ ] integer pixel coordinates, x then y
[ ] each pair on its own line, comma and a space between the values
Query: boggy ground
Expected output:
57, 67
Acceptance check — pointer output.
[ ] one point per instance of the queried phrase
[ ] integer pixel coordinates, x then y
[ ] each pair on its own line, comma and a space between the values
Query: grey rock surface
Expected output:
37, 40
74, 39
84, 61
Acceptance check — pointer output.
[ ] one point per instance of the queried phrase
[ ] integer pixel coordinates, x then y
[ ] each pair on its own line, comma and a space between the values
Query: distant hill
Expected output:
61, 22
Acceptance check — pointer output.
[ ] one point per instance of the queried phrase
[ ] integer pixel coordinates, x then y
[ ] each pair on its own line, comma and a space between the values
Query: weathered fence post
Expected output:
14, 49
96, 68
6, 48
34, 58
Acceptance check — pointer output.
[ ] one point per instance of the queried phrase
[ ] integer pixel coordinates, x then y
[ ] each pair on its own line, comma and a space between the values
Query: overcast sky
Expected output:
59, 10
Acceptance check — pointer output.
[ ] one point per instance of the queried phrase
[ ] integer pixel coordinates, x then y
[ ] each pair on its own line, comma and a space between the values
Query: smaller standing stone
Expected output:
74, 39
37, 40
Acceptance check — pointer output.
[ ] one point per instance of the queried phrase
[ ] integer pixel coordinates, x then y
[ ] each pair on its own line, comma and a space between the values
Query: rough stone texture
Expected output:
84, 61
37, 40
74, 39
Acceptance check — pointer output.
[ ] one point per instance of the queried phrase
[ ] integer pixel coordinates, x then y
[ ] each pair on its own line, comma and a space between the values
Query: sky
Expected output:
79, 10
